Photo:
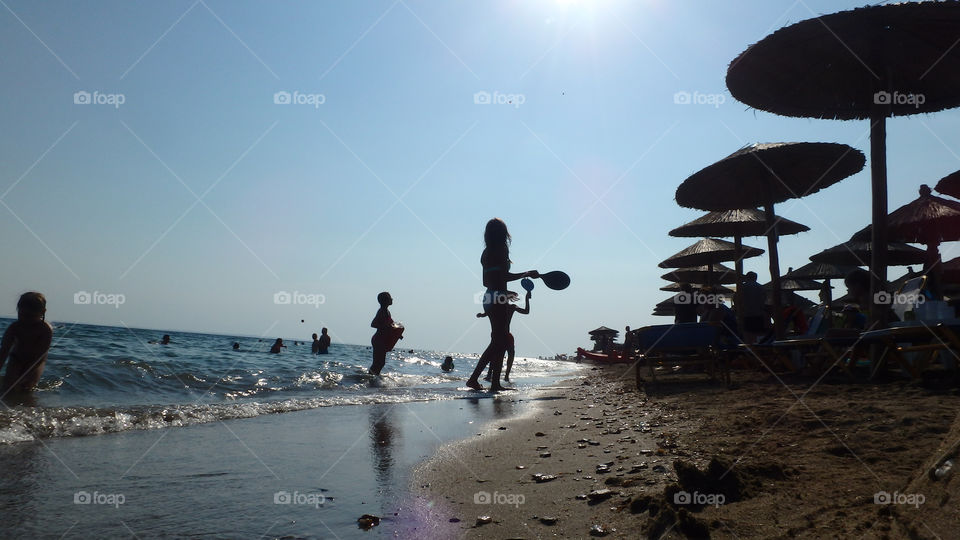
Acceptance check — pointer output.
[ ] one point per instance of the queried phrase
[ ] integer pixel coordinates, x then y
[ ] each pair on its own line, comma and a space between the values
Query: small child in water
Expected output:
26, 343
277, 346
447, 364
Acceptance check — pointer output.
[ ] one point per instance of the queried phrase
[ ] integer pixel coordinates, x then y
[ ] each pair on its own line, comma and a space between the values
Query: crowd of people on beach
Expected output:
26, 342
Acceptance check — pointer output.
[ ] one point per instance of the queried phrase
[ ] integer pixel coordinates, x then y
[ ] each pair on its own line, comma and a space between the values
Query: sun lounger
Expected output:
682, 344
917, 345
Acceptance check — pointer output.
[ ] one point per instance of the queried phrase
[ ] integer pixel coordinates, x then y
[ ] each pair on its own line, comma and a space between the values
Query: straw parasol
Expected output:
856, 253
737, 223
718, 289
950, 185
709, 251
766, 174
716, 273
927, 220
796, 284
824, 271
868, 63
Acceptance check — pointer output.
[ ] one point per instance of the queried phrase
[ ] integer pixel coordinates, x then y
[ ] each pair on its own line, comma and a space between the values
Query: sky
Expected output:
239, 167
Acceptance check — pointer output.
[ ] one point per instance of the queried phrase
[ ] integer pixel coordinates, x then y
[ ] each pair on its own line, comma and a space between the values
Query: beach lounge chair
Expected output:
684, 344
777, 356
917, 345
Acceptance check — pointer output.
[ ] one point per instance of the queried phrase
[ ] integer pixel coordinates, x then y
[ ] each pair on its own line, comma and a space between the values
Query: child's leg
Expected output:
506, 376
379, 360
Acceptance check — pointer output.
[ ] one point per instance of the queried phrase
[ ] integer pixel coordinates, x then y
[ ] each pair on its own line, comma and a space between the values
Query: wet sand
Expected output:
767, 458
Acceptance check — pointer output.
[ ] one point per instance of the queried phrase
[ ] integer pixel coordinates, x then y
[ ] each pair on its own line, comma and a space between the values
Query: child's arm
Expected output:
526, 305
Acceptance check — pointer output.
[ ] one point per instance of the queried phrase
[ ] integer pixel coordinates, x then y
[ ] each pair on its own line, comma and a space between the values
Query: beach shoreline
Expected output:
765, 463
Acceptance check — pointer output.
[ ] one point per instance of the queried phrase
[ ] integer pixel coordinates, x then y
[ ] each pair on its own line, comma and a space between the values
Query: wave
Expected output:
22, 424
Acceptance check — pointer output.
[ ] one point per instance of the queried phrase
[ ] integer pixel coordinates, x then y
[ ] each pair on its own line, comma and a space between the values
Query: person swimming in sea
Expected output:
277, 346
447, 364
496, 300
236, 345
26, 343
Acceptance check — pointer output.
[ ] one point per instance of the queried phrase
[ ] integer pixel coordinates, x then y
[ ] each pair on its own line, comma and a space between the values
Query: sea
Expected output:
126, 437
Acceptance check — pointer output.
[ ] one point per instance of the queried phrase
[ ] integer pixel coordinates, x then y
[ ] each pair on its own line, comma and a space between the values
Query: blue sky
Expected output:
387, 184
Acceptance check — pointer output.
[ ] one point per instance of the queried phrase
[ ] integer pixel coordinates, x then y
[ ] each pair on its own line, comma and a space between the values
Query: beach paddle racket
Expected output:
556, 280
527, 284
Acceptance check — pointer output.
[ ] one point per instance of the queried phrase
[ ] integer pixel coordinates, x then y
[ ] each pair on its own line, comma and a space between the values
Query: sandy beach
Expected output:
767, 458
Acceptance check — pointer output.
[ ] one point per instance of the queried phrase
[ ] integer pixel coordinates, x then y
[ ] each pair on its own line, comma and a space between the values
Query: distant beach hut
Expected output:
762, 175
869, 63
927, 220
603, 338
949, 185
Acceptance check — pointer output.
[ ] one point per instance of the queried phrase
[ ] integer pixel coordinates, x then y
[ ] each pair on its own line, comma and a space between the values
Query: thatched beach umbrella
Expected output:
949, 185
796, 284
767, 174
715, 273
928, 220
737, 223
868, 63
822, 271
710, 251
719, 289
857, 253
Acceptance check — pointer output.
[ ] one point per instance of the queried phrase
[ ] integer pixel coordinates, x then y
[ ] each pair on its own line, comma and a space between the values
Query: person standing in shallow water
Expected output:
324, 342
496, 300
26, 343
386, 335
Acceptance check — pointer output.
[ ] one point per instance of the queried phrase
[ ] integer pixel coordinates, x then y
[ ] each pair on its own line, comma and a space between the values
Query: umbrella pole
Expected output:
774, 269
738, 248
878, 181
